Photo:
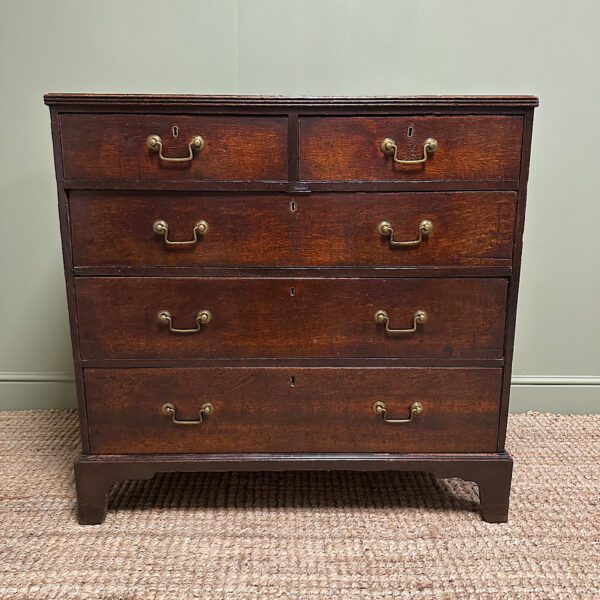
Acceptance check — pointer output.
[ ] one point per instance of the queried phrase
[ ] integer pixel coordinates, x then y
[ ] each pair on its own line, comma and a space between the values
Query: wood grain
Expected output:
95, 474
326, 410
114, 147
320, 230
259, 102
349, 148
290, 317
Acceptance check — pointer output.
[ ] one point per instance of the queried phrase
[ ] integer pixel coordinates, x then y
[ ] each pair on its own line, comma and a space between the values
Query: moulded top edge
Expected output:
298, 101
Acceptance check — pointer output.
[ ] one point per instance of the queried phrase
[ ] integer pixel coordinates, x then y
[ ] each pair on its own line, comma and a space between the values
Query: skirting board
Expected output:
36, 394
559, 398
556, 394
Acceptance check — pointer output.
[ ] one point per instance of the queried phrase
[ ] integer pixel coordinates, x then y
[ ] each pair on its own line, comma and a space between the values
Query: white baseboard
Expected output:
561, 394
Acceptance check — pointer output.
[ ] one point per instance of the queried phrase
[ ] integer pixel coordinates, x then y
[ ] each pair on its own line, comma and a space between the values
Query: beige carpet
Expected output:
301, 535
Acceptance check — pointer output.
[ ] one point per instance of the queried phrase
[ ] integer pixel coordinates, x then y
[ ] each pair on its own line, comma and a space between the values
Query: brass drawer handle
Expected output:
162, 228
388, 146
202, 318
154, 143
386, 230
419, 318
379, 408
169, 409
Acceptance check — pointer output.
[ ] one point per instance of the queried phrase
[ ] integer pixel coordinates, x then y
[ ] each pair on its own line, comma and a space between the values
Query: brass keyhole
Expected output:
293, 206
292, 381
175, 131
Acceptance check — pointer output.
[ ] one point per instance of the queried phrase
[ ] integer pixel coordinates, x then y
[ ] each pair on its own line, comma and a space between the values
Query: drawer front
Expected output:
116, 147
467, 228
259, 410
468, 148
252, 317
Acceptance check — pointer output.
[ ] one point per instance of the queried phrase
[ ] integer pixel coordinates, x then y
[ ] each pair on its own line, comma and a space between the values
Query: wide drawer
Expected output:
468, 148
292, 410
272, 317
116, 147
143, 229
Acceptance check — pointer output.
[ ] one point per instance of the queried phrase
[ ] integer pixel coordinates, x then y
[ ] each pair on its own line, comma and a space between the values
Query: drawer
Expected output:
325, 410
467, 228
468, 148
116, 147
281, 317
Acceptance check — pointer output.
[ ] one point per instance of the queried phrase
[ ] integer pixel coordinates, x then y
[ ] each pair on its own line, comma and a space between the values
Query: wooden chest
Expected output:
292, 283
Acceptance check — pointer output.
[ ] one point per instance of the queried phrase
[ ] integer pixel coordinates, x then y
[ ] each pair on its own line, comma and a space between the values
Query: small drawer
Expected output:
133, 229
220, 410
427, 148
186, 318
174, 147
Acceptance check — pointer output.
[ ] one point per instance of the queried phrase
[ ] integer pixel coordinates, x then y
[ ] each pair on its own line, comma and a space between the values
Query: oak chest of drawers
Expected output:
292, 283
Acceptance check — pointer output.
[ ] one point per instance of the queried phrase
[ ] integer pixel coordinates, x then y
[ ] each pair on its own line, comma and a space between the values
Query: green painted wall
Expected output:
311, 47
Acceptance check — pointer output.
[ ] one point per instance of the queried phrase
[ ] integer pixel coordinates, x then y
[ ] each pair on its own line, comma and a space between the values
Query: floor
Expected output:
301, 535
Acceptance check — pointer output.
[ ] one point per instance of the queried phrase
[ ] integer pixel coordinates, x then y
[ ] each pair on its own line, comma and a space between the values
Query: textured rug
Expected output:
301, 535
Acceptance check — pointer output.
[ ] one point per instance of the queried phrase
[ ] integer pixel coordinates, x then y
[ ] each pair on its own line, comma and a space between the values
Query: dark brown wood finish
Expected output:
291, 187
96, 474
310, 272
513, 291
195, 104
115, 229
105, 363
473, 147
290, 317
293, 410
69, 281
114, 147
261, 154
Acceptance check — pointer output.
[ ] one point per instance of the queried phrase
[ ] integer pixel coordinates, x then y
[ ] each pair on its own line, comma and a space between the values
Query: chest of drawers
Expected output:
292, 283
